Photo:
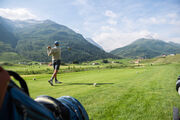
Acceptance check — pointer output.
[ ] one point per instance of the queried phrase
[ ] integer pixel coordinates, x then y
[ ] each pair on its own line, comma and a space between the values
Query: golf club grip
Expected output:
21, 81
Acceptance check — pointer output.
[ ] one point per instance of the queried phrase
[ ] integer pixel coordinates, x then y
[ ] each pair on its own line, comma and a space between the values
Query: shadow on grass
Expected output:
97, 84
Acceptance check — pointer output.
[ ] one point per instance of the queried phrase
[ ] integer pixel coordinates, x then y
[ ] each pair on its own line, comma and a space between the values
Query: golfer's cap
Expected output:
56, 43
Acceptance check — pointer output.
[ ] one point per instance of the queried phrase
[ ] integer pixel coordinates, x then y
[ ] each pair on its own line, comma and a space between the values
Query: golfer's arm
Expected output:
49, 52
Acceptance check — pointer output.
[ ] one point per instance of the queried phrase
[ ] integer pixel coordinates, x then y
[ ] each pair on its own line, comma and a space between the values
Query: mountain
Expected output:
30, 38
174, 44
6, 35
147, 48
93, 42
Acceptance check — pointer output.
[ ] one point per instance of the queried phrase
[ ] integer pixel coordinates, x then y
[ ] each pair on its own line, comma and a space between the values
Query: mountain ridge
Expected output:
32, 40
146, 48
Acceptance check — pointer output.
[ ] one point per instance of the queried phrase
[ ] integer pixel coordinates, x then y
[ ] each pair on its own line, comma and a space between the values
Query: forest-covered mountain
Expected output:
147, 48
29, 40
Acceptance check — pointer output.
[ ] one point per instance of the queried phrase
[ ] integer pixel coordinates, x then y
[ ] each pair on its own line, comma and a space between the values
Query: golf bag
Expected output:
175, 109
17, 105
65, 107
178, 83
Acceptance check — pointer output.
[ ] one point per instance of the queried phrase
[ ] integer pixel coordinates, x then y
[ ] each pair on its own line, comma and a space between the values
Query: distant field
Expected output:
140, 93
45, 69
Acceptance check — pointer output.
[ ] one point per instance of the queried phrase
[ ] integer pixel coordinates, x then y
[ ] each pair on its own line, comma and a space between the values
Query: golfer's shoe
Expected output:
57, 81
50, 82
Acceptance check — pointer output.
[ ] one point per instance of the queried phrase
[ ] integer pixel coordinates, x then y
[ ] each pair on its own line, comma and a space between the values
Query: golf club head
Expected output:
69, 48
48, 47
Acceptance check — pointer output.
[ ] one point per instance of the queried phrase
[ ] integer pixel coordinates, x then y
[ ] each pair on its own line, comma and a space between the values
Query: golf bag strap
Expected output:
21, 81
4, 79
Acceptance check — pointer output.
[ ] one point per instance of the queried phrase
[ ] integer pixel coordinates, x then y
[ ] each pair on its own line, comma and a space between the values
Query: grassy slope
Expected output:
135, 94
164, 60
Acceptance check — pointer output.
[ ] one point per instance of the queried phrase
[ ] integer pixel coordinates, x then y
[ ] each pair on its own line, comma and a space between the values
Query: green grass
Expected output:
141, 93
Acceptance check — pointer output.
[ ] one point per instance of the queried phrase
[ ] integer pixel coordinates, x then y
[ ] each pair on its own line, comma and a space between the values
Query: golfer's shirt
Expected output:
55, 52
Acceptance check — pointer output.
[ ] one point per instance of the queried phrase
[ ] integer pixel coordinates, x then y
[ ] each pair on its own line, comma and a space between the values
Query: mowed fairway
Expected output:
144, 93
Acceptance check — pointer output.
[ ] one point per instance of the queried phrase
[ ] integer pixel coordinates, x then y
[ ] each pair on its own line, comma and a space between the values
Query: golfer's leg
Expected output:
55, 74
51, 80
57, 69
54, 67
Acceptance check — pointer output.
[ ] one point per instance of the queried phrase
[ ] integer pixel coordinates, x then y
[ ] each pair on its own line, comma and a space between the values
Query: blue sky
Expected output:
111, 23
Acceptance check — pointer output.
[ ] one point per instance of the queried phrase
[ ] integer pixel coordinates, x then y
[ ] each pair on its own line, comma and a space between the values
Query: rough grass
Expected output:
142, 93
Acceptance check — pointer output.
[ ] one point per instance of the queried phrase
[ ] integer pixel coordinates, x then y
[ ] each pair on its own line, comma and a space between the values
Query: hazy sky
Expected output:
111, 23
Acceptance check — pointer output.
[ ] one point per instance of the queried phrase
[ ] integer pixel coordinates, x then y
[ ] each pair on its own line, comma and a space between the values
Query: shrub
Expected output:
75, 62
62, 63
105, 61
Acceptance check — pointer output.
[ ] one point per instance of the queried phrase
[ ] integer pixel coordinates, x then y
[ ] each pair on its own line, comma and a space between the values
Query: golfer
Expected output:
55, 52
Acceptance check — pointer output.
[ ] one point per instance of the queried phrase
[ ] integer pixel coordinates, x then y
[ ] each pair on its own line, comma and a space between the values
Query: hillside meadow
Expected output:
128, 92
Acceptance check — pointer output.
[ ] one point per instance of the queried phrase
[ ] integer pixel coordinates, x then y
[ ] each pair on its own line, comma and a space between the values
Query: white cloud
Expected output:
107, 29
153, 20
147, 34
17, 14
175, 22
84, 8
76, 30
172, 15
112, 22
110, 14
175, 39
171, 18
128, 24
80, 2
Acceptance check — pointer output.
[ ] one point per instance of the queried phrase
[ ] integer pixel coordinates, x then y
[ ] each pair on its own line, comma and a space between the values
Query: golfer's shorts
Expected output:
56, 64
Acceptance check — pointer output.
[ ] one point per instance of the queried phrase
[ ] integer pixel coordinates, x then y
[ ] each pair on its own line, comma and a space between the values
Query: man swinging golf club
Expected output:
55, 52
